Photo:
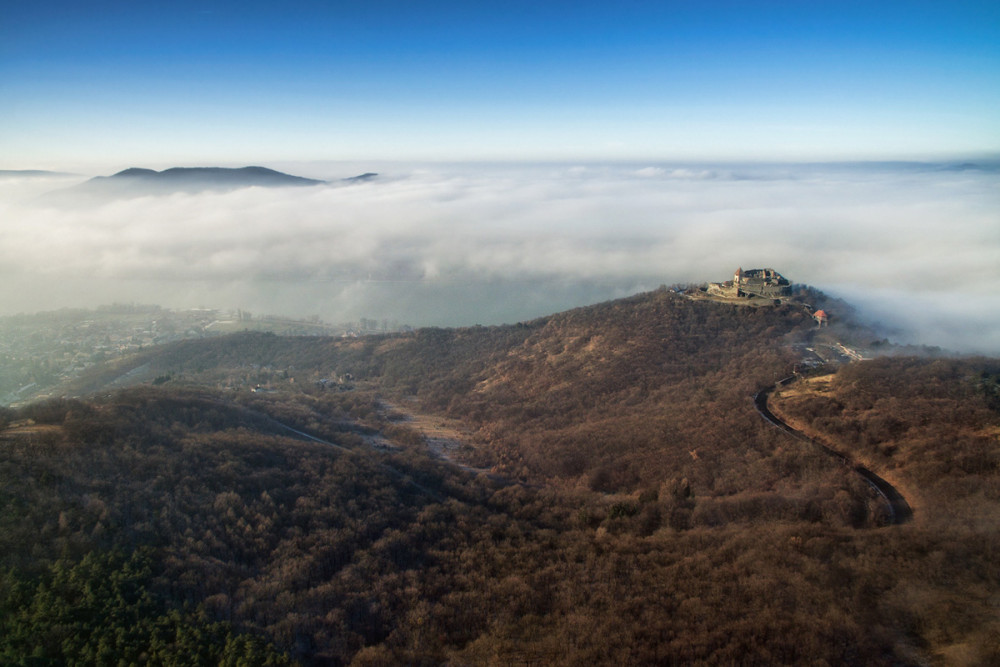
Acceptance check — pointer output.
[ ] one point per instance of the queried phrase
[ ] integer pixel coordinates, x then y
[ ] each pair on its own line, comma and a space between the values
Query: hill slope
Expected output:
662, 521
612, 397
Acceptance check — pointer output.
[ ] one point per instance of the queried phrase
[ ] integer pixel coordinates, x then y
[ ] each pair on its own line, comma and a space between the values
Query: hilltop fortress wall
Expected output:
766, 283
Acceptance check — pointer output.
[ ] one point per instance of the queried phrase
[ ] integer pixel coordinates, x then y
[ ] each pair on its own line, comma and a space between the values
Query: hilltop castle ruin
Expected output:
766, 283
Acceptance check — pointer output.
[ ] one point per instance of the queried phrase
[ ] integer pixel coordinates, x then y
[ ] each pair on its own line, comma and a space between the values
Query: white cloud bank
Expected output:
449, 245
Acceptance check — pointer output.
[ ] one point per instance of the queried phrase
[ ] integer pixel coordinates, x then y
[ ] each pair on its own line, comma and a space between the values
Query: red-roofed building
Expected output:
821, 317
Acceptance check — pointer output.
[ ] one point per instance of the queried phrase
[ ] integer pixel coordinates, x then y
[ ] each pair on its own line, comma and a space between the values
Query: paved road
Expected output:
899, 509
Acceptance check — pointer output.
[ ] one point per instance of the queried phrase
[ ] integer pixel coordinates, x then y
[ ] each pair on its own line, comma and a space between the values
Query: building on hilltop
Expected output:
766, 283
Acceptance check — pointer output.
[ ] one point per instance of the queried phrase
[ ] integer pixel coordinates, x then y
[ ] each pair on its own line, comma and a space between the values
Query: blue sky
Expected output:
161, 83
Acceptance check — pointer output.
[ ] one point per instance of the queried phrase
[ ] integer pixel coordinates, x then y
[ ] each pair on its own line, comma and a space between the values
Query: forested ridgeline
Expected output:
612, 397
171, 525
617, 396
661, 520
931, 426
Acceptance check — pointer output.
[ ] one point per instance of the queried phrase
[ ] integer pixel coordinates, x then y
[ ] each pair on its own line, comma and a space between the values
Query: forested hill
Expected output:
661, 522
614, 396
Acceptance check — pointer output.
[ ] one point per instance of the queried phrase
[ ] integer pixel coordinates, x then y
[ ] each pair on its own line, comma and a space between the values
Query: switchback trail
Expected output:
899, 509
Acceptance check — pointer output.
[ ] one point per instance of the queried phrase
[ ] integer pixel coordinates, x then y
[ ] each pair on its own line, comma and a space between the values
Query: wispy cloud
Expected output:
459, 245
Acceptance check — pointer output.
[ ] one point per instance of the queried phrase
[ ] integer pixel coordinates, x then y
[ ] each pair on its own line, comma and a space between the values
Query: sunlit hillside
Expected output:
260, 495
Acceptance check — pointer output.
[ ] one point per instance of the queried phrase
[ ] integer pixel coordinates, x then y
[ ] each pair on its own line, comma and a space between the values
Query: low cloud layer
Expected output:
917, 247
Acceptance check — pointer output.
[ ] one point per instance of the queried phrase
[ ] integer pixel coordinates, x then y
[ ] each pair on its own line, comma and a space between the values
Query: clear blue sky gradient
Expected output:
235, 82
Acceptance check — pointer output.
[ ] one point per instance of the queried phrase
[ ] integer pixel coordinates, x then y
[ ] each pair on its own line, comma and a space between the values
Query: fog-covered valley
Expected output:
914, 244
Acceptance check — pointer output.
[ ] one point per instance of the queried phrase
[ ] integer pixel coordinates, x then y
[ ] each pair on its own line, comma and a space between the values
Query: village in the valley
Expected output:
42, 350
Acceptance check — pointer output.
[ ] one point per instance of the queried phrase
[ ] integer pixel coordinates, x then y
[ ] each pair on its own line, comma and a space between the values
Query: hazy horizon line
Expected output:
60, 166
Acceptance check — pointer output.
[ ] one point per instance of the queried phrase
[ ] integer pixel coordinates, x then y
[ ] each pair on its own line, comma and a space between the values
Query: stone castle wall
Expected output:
770, 290
766, 283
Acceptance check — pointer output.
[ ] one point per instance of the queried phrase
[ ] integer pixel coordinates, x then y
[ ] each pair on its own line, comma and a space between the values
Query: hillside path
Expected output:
352, 452
899, 509
444, 437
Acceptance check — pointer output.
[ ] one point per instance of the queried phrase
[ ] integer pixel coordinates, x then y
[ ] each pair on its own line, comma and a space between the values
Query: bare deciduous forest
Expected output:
639, 511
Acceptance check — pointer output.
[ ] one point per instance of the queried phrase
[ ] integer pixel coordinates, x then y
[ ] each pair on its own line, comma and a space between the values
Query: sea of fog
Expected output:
915, 246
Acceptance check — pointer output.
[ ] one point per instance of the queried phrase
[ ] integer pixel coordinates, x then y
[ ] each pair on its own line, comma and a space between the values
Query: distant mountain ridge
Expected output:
361, 178
205, 178
141, 182
31, 173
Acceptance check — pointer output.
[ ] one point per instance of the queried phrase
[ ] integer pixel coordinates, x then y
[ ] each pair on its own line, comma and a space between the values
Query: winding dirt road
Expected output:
899, 509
